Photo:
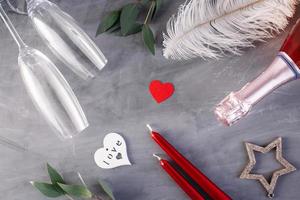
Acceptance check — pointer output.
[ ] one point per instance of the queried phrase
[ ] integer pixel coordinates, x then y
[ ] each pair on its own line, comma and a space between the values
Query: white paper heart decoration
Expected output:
114, 152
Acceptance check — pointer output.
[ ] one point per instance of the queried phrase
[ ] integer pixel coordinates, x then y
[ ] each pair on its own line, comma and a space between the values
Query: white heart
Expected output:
114, 152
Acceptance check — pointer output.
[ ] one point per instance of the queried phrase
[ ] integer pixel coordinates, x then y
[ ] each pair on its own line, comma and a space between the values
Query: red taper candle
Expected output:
207, 185
179, 179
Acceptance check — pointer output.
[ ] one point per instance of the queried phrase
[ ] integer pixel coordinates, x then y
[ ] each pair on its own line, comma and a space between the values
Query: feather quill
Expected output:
212, 28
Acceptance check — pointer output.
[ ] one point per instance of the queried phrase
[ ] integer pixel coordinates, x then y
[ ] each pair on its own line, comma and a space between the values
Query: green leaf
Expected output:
106, 189
148, 38
114, 27
136, 28
76, 190
108, 21
158, 4
54, 175
48, 189
128, 17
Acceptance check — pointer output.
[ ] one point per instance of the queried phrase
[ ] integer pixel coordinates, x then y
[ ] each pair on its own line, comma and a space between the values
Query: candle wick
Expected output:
156, 156
149, 127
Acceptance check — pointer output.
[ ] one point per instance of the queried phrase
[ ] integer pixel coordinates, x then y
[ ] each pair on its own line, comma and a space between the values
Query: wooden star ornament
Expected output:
287, 167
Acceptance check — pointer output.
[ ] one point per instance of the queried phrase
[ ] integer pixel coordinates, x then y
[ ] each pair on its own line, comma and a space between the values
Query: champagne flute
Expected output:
48, 89
65, 38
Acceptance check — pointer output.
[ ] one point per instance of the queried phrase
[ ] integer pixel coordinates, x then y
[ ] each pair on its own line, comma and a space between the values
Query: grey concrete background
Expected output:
117, 100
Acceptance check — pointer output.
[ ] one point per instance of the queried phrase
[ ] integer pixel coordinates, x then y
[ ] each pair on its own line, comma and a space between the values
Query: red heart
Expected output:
161, 91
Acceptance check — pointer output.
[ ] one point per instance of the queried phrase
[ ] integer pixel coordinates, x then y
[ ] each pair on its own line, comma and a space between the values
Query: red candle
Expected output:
207, 185
180, 180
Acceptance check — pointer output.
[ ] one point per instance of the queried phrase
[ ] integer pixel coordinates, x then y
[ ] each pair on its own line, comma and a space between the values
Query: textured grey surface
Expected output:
117, 100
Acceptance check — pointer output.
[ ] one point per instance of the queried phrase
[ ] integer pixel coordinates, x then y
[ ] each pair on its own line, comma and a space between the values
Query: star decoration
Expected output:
287, 167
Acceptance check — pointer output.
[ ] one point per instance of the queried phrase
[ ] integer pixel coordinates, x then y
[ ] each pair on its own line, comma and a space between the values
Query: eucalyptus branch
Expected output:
149, 12
58, 187
80, 178
94, 197
125, 21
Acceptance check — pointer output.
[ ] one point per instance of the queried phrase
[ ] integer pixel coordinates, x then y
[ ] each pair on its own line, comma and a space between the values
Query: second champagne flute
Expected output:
48, 89
65, 38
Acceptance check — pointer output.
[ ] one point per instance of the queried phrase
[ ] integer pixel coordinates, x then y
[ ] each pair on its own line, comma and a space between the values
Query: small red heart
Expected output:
161, 91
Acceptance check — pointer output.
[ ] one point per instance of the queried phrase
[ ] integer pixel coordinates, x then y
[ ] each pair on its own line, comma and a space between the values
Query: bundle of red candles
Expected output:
207, 185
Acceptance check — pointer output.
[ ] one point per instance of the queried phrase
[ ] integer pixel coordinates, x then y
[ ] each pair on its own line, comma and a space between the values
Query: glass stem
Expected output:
11, 28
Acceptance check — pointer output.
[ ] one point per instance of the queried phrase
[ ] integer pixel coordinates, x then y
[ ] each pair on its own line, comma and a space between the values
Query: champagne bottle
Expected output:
284, 68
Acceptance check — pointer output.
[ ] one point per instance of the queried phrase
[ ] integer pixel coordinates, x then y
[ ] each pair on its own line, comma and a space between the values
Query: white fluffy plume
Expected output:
211, 28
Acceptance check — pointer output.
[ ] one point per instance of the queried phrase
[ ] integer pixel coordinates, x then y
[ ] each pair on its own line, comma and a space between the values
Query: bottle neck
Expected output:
278, 73
238, 104
291, 45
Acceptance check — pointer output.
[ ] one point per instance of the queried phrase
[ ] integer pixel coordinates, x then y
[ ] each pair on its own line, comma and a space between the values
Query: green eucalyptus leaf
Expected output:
114, 28
76, 190
158, 4
136, 28
48, 189
54, 175
107, 189
128, 17
108, 21
148, 38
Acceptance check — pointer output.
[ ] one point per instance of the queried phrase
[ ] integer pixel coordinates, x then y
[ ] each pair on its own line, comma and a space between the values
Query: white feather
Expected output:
211, 28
